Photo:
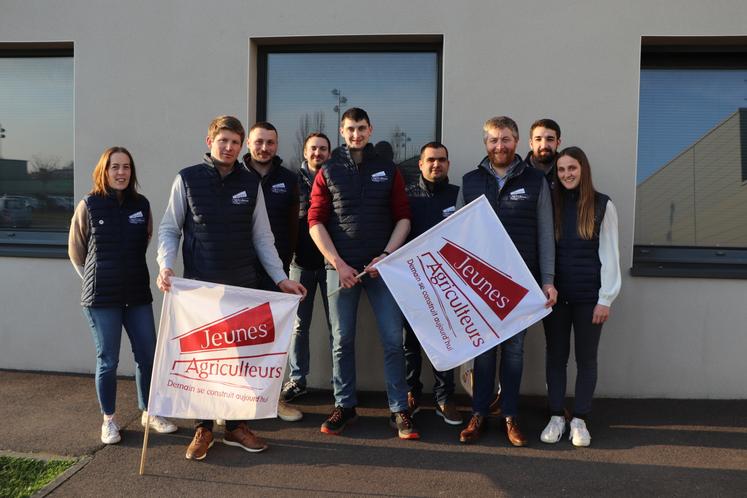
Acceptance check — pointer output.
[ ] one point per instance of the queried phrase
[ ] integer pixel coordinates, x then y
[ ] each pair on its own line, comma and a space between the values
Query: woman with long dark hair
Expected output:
109, 234
587, 277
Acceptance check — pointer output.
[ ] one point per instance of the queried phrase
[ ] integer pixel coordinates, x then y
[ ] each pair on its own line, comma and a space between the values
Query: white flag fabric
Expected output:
221, 351
463, 286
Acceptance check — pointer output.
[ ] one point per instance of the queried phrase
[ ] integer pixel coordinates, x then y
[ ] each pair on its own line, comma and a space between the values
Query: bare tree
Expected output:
308, 123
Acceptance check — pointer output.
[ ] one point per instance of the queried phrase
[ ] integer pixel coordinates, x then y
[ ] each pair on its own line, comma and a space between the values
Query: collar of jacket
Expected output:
276, 162
549, 173
433, 187
207, 160
343, 153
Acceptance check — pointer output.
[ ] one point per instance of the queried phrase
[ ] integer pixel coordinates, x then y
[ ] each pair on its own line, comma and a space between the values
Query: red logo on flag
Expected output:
495, 288
246, 327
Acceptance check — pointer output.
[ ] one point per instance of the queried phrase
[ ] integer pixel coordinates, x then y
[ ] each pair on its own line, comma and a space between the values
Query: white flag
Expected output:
463, 286
221, 351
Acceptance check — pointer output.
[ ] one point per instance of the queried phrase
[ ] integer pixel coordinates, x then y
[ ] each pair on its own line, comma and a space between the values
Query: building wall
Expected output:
150, 75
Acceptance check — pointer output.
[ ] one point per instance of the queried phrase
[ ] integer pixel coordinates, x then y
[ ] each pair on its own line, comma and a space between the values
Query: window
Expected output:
691, 193
305, 88
36, 148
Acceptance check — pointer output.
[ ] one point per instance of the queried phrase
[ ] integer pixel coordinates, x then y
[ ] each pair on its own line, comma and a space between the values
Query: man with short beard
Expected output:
544, 140
520, 197
280, 189
307, 268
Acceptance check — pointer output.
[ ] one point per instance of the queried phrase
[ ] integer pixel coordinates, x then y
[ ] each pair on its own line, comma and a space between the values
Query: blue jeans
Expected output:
512, 363
443, 382
298, 354
106, 327
343, 313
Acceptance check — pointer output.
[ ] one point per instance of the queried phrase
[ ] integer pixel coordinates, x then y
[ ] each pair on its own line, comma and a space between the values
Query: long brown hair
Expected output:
100, 179
586, 196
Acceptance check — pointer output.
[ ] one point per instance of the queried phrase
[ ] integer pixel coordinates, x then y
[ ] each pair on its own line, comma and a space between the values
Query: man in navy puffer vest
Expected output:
219, 208
359, 214
520, 196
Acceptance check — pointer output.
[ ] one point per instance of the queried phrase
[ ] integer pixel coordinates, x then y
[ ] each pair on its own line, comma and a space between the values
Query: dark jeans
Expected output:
443, 382
106, 328
512, 364
586, 342
298, 353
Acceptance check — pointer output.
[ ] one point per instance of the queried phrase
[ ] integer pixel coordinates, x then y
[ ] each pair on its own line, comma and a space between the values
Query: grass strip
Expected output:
22, 477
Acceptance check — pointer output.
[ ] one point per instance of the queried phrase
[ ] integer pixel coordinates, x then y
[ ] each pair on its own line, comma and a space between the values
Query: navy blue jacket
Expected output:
115, 272
430, 204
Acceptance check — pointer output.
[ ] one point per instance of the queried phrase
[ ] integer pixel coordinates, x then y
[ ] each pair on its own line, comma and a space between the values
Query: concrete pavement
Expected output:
639, 447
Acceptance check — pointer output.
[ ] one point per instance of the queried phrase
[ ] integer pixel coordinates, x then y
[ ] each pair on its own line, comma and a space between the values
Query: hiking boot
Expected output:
554, 430
201, 443
288, 413
110, 432
404, 425
158, 424
413, 404
579, 435
474, 429
292, 390
338, 419
245, 439
513, 432
448, 411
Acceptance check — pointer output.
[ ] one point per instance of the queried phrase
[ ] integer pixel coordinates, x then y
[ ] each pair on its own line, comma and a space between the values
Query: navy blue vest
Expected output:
115, 271
515, 205
281, 197
307, 255
361, 221
577, 265
218, 243
430, 203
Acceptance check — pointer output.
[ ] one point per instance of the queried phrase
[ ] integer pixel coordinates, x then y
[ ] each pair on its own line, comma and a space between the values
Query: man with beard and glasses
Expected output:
219, 208
544, 140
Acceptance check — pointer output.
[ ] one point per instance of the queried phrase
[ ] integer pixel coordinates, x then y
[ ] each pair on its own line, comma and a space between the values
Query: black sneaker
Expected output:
338, 419
292, 390
404, 425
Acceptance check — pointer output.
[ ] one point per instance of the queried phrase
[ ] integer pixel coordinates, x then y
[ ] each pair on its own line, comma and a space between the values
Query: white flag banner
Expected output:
221, 351
463, 286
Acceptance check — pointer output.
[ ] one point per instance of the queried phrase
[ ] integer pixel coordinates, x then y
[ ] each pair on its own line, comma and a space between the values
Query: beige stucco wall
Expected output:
151, 75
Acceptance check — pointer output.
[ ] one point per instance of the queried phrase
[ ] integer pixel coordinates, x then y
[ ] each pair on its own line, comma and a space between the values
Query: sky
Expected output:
396, 89
36, 108
678, 106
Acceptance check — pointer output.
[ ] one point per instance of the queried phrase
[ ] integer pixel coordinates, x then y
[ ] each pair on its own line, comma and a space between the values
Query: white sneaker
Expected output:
288, 413
159, 424
220, 421
554, 430
579, 433
110, 432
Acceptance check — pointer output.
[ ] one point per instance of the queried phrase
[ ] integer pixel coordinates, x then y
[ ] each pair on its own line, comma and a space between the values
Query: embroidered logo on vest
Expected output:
137, 218
448, 211
240, 198
278, 188
379, 177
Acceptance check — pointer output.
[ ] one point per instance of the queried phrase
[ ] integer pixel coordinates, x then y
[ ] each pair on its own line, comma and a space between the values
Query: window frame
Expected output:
663, 52
31, 243
347, 44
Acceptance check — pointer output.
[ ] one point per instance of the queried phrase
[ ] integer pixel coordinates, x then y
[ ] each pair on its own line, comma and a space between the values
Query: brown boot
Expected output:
513, 432
198, 448
474, 429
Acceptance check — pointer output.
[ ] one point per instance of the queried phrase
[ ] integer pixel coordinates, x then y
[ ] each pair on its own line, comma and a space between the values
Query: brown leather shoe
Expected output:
198, 448
245, 439
474, 429
513, 432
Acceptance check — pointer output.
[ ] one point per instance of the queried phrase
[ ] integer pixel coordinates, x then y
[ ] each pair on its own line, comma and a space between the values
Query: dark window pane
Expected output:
36, 149
692, 158
308, 91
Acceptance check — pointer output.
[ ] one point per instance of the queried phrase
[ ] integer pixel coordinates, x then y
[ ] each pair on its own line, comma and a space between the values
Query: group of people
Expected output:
250, 222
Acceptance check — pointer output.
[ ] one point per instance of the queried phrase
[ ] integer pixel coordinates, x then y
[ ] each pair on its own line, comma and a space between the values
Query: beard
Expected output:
546, 156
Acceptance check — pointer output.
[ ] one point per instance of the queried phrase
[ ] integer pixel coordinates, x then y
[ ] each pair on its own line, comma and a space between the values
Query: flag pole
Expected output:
361, 274
145, 443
